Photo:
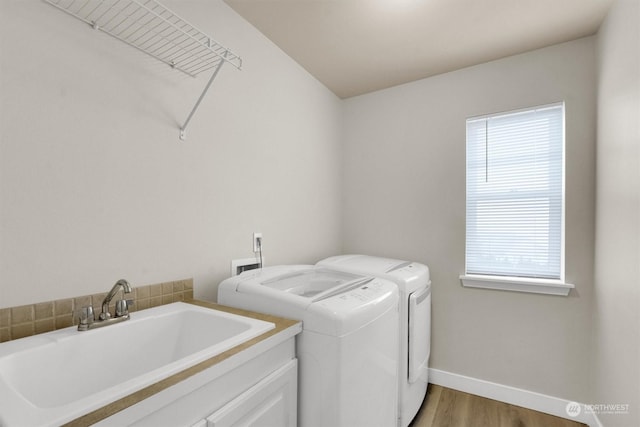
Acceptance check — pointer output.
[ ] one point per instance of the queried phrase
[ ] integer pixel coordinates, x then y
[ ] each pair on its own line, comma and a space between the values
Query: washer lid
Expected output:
315, 283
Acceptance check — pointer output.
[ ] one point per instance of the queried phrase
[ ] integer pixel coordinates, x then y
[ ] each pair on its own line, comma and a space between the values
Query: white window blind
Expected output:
515, 193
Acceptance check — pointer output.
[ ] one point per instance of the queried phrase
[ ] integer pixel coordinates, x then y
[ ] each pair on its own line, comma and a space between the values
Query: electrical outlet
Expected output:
257, 236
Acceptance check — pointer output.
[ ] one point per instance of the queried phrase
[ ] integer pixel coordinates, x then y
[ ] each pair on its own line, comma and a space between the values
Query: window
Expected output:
515, 200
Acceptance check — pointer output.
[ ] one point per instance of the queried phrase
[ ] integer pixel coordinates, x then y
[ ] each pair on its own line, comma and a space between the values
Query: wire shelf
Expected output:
152, 28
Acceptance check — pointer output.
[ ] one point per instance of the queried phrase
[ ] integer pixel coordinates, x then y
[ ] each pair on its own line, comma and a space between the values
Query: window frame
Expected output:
553, 286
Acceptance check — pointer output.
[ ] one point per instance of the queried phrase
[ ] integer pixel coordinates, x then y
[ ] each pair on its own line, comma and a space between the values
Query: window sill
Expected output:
518, 284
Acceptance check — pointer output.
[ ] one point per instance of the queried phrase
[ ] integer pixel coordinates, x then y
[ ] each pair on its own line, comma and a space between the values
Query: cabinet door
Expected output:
270, 403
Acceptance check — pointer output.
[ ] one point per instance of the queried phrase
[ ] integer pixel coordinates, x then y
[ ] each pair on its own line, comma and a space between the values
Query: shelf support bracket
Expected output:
183, 129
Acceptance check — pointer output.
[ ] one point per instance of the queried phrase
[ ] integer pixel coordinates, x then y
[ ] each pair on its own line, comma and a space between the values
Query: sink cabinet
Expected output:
271, 402
255, 387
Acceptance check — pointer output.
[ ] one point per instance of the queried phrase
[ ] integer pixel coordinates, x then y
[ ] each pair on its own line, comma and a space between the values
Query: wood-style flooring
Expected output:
444, 407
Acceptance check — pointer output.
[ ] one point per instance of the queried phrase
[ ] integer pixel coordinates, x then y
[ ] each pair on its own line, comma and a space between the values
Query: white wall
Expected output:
96, 186
404, 197
617, 268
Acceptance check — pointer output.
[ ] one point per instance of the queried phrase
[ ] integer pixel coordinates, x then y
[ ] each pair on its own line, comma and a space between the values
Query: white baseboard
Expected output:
514, 396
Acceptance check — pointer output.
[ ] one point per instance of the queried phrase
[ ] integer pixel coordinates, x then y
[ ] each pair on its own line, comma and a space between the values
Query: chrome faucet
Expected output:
86, 317
126, 289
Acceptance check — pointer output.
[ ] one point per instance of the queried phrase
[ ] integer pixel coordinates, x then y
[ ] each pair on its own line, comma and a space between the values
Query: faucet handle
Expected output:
86, 317
122, 307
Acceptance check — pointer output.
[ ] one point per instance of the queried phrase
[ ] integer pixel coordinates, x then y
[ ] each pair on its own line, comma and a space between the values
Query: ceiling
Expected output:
358, 46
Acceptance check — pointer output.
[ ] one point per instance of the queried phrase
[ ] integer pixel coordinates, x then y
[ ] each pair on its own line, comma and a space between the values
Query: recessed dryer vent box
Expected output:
240, 265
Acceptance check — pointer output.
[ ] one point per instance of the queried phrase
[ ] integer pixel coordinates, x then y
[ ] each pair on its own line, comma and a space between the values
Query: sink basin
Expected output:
56, 377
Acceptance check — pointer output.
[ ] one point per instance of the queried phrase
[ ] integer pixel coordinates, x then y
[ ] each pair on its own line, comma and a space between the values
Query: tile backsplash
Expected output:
27, 320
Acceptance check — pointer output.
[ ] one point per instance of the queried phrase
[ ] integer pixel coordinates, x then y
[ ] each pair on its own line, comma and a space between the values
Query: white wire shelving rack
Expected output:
152, 28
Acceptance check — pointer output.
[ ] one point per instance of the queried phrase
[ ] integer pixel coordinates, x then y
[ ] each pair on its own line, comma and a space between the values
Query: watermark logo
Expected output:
573, 409
607, 408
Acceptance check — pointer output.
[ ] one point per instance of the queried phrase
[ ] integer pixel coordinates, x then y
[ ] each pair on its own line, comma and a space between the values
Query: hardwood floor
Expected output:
444, 407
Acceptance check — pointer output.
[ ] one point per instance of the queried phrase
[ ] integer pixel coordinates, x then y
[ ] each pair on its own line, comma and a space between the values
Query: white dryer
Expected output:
347, 351
414, 284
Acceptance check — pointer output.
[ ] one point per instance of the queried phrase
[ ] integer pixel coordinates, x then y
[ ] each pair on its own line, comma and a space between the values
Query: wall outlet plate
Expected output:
256, 248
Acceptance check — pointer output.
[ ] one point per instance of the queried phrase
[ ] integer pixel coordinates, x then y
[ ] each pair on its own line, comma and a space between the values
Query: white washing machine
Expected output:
415, 322
348, 348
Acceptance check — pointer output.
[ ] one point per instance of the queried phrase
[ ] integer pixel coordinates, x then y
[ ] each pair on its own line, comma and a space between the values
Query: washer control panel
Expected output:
365, 294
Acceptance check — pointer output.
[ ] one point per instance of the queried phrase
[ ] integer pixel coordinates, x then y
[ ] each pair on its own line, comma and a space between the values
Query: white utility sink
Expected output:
53, 378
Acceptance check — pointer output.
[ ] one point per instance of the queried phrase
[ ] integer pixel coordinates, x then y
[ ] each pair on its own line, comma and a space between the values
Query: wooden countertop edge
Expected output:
130, 400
